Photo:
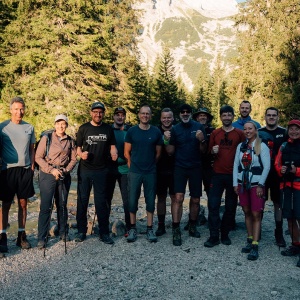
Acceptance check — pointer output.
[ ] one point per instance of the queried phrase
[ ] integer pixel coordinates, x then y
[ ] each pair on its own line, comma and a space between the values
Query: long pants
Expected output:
50, 189
219, 183
112, 178
86, 180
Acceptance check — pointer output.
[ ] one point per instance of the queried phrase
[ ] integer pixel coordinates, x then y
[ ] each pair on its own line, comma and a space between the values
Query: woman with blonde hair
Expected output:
251, 168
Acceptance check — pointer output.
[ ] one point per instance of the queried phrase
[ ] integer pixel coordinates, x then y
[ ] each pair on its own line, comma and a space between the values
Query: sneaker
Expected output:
291, 251
3, 242
106, 239
248, 246
280, 241
211, 242
64, 237
151, 237
193, 231
253, 255
80, 237
22, 240
160, 230
41, 245
132, 235
177, 237
225, 240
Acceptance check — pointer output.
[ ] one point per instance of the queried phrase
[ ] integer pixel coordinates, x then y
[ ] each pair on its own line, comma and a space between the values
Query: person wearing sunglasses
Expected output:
187, 142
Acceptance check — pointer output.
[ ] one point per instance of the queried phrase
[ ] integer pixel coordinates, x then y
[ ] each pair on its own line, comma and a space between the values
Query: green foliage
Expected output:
63, 55
269, 56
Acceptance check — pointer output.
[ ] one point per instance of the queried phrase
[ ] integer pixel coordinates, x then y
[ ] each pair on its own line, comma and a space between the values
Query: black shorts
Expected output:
273, 187
17, 180
193, 176
165, 184
290, 203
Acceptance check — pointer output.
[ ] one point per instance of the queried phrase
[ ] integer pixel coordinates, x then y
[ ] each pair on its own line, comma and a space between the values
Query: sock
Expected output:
175, 224
193, 222
250, 237
132, 226
278, 225
161, 219
254, 243
21, 229
149, 227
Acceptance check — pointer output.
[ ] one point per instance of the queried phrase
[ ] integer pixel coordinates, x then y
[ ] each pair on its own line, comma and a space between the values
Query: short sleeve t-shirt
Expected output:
16, 140
97, 141
143, 151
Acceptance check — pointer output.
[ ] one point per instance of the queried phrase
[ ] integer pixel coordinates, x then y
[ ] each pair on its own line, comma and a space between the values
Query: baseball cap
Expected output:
294, 122
185, 107
61, 118
98, 105
120, 110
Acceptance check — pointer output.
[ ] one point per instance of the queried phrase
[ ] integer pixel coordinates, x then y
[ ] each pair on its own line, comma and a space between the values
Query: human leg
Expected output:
123, 184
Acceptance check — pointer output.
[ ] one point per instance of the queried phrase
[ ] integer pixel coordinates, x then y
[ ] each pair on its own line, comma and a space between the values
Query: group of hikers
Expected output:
246, 160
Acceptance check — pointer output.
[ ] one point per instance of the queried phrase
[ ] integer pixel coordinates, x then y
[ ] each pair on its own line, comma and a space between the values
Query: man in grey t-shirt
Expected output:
17, 141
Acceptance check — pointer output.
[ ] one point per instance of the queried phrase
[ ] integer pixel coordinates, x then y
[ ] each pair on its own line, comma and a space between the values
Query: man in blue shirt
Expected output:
143, 145
245, 110
187, 141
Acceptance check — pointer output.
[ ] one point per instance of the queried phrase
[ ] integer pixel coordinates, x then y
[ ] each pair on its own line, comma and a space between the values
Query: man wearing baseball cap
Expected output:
118, 170
95, 143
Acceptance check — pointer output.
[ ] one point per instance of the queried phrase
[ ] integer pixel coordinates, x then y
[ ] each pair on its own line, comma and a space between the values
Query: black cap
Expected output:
98, 105
120, 110
185, 107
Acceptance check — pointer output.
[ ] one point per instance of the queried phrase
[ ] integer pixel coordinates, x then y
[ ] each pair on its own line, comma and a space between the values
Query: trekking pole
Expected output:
48, 227
93, 221
61, 183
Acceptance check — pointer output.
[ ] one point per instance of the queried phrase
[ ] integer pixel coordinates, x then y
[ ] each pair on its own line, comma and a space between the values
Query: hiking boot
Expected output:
187, 226
22, 240
225, 240
160, 230
106, 239
291, 251
177, 237
3, 242
253, 255
248, 246
64, 237
41, 245
211, 242
132, 235
193, 231
79, 237
151, 237
280, 241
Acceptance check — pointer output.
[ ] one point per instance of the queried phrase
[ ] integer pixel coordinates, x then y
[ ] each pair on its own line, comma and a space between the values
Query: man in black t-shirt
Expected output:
274, 136
95, 144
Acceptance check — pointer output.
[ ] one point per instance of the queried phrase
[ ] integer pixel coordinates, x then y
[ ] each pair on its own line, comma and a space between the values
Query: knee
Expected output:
179, 199
195, 200
23, 204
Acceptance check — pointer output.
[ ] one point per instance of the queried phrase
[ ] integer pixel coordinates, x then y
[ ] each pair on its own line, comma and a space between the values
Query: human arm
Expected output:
236, 168
158, 152
127, 153
266, 162
113, 152
32, 156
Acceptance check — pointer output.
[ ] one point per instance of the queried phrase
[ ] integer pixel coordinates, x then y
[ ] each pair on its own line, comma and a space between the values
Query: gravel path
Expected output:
141, 270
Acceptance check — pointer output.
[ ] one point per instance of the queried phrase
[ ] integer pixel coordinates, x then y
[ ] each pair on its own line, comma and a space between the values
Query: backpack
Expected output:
48, 134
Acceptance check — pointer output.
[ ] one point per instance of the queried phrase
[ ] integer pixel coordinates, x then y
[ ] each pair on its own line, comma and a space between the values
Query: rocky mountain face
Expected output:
194, 30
